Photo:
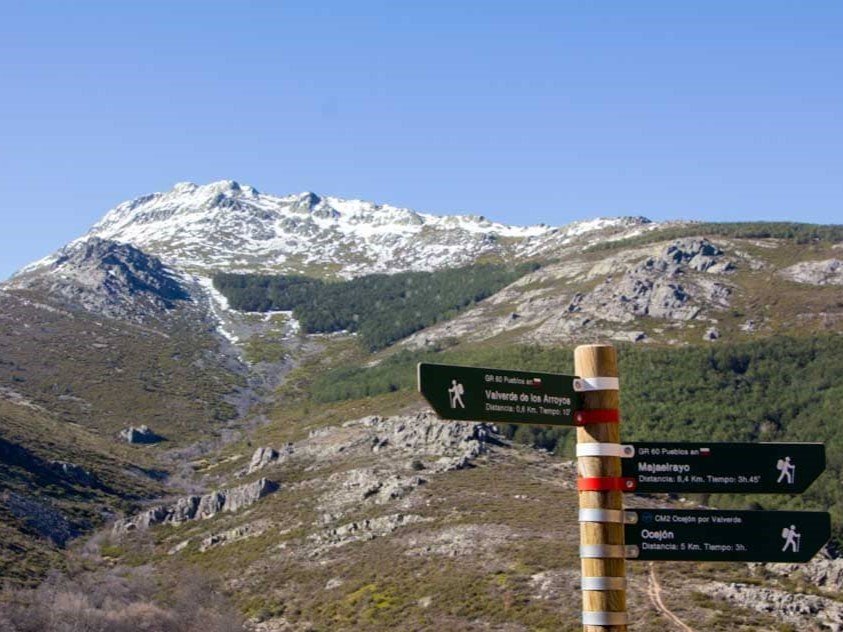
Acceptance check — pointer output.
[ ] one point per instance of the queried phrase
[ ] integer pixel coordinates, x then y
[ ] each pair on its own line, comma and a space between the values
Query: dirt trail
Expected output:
654, 591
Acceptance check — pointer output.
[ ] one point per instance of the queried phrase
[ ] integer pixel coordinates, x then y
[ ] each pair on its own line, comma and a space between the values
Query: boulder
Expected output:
828, 272
140, 434
266, 455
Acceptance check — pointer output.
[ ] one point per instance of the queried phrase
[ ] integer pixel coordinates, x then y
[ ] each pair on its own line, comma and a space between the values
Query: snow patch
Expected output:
218, 303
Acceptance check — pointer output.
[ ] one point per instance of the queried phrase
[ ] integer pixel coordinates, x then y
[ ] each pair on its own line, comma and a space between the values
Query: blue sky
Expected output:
522, 111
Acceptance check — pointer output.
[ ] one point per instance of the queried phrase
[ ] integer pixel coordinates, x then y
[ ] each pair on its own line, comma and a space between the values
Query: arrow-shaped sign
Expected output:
733, 536
760, 468
496, 395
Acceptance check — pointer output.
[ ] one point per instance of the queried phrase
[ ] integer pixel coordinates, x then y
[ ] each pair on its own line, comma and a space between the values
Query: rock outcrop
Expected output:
109, 278
200, 507
828, 272
660, 287
367, 529
266, 455
140, 434
824, 571
798, 609
455, 443
242, 532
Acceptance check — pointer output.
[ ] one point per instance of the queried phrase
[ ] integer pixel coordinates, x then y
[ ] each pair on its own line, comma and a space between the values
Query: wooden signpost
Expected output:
609, 535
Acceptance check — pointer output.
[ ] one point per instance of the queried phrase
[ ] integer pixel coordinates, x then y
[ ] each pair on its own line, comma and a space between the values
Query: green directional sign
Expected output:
733, 536
760, 468
496, 395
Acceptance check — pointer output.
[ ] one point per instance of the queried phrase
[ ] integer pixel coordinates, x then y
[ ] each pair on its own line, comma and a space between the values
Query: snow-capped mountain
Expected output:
233, 227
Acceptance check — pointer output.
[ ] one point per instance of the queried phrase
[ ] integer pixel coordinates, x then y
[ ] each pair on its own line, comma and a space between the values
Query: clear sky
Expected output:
522, 111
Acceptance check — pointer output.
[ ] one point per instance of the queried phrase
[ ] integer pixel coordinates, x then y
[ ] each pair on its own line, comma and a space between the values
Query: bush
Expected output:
118, 600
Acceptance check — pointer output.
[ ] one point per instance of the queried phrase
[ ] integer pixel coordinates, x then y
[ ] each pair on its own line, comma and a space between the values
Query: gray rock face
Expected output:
698, 254
808, 612
409, 449
266, 455
657, 287
824, 571
140, 434
236, 534
262, 457
362, 530
828, 272
375, 485
456, 443
200, 507
109, 278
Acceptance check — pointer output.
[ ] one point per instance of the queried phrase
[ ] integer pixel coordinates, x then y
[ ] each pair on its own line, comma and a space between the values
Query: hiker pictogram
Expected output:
792, 538
456, 392
787, 470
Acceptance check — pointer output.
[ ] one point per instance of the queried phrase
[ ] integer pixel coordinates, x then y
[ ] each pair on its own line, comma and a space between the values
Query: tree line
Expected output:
381, 308
796, 232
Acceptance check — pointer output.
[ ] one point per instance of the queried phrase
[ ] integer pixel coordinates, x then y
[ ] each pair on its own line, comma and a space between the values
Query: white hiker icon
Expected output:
456, 392
792, 539
787, 469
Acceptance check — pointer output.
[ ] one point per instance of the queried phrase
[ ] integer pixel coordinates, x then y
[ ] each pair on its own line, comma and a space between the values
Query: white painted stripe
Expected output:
582, 384
605, 449
601, 515
604, 583
602, 551
616, 516
605, 618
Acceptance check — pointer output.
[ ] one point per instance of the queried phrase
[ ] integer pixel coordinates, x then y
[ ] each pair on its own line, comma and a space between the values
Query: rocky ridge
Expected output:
225, 226
393, 457
683, 281
199, 507
106, 277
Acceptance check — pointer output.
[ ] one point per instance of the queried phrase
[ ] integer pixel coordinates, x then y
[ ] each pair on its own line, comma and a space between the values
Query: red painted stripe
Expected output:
606, 484
597, 416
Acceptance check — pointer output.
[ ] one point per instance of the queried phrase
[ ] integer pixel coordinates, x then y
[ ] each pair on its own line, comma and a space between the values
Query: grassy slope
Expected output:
35, 439
95, 376
107, 375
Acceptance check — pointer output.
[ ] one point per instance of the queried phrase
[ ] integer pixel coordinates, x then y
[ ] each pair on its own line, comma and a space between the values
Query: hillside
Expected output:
300, 474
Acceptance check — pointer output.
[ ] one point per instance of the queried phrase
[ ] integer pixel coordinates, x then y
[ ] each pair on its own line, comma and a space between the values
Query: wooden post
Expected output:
601, 361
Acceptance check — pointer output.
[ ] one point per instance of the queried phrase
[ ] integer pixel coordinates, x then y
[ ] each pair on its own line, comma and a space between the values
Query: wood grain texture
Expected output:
600, 361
